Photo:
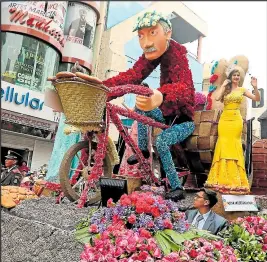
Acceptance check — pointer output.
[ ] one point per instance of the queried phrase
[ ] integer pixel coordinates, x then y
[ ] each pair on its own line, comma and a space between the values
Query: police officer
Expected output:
11, 176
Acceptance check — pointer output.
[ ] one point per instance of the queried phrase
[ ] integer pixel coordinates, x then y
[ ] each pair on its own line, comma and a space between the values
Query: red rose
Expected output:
155, 212
213, 78
193, 253
132, 219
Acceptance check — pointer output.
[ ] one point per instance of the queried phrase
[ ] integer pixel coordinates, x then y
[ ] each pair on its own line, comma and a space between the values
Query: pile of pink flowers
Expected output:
257, 226
203, 250
140, 210
120, 244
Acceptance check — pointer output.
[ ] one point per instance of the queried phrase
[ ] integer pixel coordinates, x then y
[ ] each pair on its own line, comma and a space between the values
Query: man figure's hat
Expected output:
13, 155
149, 19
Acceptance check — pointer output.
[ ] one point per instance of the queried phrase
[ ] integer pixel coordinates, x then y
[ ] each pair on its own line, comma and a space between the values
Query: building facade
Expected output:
39, 38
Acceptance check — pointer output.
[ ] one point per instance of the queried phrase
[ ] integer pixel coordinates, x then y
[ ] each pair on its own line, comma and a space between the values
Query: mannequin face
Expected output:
154, 41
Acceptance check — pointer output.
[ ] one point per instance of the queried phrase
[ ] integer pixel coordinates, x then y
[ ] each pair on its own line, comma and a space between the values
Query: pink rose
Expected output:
143, 256
157, 253
264, 247
167, 223
259, 232
144, 233
132, 219
218, 244
110, 203
118, 251
93, 228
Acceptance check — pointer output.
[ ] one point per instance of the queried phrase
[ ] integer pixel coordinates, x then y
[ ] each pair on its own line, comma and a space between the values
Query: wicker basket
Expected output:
83, 103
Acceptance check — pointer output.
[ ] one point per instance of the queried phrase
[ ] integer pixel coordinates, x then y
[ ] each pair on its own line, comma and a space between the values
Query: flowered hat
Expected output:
149, 19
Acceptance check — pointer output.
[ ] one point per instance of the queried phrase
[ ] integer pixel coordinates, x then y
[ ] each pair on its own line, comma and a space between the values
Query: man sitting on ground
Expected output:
202, 217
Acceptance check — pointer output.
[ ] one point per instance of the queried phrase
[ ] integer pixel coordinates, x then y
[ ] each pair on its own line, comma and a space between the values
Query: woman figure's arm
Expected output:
256, 96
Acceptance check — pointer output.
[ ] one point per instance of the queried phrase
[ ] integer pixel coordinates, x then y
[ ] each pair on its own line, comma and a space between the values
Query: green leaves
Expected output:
247, 246
167, 245
82, 233
169, 240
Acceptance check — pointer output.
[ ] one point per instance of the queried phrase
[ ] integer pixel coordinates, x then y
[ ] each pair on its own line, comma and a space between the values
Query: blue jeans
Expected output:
171, 136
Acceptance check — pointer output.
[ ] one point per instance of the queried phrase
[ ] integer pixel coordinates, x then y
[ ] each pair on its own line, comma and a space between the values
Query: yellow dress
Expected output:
227, 173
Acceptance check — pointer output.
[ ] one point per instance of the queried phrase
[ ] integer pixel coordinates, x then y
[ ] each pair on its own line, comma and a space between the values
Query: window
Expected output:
68, 66
27, 61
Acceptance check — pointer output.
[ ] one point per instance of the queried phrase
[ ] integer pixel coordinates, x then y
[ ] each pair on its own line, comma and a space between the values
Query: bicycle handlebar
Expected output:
117, 91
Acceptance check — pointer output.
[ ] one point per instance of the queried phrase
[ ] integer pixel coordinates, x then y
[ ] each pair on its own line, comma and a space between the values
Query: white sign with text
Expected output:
239, 203
24, 101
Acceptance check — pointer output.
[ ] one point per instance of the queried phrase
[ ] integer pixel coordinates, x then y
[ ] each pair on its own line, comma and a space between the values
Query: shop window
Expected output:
28, 130
68, 66
27, 62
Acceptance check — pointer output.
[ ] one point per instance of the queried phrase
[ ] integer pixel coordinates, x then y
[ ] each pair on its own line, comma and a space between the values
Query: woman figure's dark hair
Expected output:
228, 87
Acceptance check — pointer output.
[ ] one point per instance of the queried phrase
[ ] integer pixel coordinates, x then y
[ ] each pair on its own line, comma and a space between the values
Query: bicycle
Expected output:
86, 175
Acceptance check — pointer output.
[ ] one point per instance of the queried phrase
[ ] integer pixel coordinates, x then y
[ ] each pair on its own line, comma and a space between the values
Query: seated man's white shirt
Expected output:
201, 222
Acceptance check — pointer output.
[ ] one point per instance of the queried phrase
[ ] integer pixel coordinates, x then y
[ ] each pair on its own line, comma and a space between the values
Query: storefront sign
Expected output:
79, 33
22, 17
30, 18
27, 120
22, 100
239, 203
9, 95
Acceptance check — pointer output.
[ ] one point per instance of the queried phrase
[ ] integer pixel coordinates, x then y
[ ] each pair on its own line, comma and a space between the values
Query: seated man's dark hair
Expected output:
211, 196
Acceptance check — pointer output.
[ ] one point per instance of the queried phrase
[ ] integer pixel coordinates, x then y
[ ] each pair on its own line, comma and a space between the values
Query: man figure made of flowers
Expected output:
173, 102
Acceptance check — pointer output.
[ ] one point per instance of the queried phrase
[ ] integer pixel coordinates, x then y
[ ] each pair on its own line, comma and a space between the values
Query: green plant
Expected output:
246, 246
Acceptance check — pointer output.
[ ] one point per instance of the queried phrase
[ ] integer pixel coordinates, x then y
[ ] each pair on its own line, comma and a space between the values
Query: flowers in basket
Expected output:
140, 210
200, 101
249, 238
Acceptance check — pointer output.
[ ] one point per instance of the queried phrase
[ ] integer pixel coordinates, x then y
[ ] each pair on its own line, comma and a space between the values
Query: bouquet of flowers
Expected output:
255, 226
140, 210
200, 101
249, 238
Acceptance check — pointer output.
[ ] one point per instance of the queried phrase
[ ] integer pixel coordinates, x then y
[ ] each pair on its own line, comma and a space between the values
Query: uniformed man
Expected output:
11, 176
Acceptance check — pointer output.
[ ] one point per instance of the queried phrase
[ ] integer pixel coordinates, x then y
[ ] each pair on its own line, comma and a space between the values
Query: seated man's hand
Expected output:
149, 103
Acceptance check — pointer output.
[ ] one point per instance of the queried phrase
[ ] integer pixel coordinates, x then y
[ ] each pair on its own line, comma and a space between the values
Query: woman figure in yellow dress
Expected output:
228, 174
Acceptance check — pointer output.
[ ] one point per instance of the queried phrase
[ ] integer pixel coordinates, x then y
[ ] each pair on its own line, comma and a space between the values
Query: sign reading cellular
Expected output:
21, 17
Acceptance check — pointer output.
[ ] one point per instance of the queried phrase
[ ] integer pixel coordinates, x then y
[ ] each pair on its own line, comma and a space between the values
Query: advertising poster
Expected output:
57, 12
79, 33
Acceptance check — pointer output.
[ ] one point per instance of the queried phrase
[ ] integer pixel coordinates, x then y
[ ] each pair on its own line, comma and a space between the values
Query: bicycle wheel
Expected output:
73, 192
